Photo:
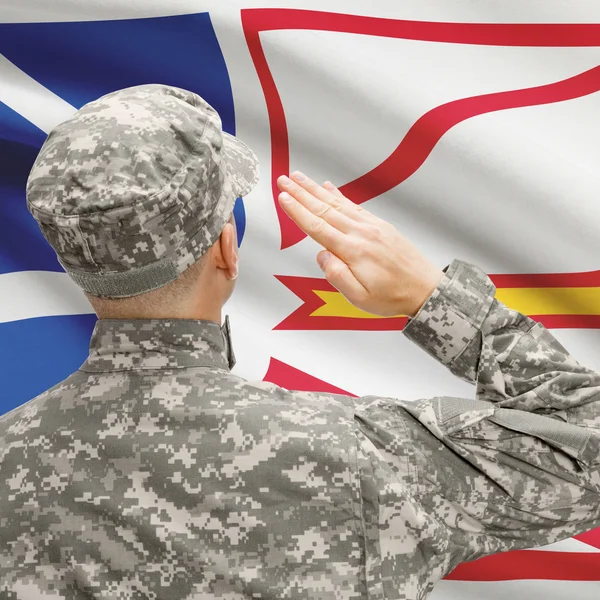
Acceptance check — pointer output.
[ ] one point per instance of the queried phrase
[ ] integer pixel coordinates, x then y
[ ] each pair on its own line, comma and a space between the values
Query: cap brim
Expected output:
242, 165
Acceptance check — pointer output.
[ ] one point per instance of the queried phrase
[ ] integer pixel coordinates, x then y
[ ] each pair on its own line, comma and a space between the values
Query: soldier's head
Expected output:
135, 193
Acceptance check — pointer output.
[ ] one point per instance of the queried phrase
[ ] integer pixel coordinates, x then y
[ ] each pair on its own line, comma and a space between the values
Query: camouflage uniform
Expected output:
154, 472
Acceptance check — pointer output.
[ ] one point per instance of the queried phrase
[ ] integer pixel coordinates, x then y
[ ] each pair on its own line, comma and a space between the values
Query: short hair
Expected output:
159, 301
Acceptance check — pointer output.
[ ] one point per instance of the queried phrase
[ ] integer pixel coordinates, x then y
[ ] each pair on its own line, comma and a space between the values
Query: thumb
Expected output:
340, 276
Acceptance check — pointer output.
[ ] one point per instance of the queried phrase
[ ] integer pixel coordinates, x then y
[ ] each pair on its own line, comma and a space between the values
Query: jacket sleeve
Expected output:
516, 466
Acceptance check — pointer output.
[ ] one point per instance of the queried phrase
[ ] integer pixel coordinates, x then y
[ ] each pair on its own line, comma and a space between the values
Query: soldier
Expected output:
154, 472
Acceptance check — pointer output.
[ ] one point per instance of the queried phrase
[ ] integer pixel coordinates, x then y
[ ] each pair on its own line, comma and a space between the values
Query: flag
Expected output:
473, 131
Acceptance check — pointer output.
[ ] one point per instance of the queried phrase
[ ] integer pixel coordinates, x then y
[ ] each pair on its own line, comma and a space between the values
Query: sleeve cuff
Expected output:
454, 313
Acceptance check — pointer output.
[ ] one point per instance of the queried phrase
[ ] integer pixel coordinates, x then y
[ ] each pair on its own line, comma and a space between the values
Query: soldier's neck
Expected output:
202, 311
194, 303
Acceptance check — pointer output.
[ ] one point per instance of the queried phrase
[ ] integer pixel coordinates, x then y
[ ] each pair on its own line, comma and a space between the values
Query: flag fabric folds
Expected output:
473, 130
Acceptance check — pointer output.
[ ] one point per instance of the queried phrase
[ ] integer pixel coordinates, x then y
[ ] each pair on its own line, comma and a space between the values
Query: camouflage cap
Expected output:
136, 187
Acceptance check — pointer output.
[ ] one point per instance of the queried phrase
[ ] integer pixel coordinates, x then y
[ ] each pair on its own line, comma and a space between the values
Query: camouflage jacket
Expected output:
153, 472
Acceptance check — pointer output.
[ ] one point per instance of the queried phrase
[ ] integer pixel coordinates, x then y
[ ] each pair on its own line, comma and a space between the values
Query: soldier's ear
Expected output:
226, 252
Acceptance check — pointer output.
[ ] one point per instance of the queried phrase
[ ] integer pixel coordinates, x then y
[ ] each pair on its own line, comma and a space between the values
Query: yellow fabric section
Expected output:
337, 306
552, 301
529, 301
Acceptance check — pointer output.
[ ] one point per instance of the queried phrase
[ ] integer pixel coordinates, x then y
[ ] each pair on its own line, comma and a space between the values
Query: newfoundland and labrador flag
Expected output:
473, 127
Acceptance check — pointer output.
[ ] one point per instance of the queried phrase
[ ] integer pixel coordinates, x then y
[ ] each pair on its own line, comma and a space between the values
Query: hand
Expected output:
375, 267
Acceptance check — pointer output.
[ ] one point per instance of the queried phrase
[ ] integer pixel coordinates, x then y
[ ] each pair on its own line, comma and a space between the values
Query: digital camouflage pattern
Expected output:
153, 472
136, 187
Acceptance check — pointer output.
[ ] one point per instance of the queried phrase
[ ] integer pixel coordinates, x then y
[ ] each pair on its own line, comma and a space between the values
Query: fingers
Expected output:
337, 200
340, 276
331, 195
327, 207
316, 227
320, 212
335, 191
354, 211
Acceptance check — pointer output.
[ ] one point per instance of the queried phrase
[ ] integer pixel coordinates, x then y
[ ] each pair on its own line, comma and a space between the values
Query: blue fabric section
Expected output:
239, 214
83, 61
35, 354
22, 246
15, 129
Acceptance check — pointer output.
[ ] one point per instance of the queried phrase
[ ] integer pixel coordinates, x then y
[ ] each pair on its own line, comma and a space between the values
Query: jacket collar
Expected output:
122, 345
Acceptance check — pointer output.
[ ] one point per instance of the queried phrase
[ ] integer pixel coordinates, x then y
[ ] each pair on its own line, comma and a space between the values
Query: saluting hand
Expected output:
375, 267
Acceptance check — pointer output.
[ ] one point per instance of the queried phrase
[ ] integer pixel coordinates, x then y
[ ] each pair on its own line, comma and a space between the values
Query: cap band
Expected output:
127, 283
